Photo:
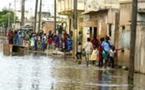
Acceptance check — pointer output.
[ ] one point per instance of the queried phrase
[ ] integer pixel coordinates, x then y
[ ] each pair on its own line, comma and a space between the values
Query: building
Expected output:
48, 26
45, 14
125, 23
99, 18
45, 17
65, 8
46, 22
27, 15
27, 19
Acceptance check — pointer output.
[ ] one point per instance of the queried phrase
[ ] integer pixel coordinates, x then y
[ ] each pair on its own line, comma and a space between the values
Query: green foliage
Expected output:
5, 17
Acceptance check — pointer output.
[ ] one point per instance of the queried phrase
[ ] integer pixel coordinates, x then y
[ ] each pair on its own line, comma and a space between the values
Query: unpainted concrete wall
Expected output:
140, 49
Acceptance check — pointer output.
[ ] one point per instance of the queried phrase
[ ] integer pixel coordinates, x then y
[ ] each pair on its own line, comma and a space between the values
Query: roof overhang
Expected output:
69, 12
141, 11
95, 12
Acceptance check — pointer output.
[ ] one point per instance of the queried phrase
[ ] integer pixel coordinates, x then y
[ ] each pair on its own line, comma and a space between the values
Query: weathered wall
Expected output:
125, 18
102, 24
48, 26
140, 49
125, 13
111, 19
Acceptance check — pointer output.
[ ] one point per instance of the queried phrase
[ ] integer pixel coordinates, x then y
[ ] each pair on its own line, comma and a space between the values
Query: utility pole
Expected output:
133, 41
40, 13
116, 39
75, 24
35, 19
22, 12
75, 15
55, 16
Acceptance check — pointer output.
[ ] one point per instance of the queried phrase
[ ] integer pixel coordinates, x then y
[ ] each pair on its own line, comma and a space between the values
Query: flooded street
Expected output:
72, 45
40, 72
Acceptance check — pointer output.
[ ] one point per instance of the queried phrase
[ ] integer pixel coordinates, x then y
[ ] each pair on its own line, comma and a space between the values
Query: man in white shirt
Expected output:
88, 49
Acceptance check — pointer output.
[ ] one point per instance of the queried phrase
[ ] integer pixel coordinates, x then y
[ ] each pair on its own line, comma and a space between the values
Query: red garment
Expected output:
10, 37
50, 41
65, 36
100, 53
95, 42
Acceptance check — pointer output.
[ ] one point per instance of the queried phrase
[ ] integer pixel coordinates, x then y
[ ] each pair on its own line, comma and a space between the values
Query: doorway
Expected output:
95, 32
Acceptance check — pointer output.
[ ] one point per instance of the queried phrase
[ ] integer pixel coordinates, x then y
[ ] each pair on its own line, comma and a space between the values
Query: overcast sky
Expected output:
30, 5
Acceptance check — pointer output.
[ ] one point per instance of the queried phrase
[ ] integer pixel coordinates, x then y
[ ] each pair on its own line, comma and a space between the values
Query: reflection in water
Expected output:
20, 83
19, 78
37, 72
39, 54
52, 86
35, 85
105, 80
131, 84
131, 88
99, 78
35, 76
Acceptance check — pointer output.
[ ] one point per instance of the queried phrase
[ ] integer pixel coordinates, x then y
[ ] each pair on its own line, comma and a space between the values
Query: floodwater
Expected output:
41, 72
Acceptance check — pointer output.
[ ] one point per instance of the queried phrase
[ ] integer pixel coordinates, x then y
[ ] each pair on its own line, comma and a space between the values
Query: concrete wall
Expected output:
125, 18
96, 5
125, 13
140, 49
67, 5
101, 20
48, 26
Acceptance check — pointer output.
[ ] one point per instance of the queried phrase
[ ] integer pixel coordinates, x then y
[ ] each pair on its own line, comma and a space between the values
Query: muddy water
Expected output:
46, 73
41, 72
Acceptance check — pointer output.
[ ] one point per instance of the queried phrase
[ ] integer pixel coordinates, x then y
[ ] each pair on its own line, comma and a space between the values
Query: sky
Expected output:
30, 5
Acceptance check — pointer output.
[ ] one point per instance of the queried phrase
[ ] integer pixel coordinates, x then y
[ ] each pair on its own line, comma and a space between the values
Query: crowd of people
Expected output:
41, 41
94, 50
101, 51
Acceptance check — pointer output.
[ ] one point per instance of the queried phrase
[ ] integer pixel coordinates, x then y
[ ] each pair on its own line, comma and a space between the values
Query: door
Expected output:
95, 32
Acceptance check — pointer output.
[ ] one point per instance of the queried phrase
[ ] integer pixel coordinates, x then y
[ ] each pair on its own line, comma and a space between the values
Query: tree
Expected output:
7, 17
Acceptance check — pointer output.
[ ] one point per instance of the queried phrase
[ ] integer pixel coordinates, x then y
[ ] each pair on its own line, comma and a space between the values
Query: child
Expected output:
100, 49
94, 55
50, 41
83, 52
79, 51
112, 56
